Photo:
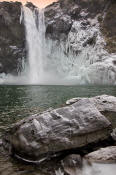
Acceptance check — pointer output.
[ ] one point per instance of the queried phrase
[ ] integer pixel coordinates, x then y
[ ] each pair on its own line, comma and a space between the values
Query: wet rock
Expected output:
104, 155
73, 160
59, 130
72, 164
113, 134
12, 37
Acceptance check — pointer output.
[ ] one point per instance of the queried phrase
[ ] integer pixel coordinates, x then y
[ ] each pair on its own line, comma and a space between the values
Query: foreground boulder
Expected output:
59, 130
104, 155
105, 104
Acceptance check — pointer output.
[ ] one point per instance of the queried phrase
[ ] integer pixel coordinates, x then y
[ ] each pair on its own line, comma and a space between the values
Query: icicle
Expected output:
21, 16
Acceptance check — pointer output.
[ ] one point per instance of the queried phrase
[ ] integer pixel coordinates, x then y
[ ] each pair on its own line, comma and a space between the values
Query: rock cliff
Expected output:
88, 30
61, 15
12, 38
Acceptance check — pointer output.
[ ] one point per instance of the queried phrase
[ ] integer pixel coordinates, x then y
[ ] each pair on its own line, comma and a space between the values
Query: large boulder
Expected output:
59, 130
12, 37
105, 104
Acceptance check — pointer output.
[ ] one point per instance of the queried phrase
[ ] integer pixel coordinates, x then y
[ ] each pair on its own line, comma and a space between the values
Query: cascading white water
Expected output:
35, 34
46, 64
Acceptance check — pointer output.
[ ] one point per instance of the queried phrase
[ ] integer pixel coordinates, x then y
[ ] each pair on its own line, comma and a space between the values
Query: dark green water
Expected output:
17, 102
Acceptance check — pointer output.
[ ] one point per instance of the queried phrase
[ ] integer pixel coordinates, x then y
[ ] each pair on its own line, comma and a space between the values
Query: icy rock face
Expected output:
12, 38
77, 25
58, 25
103, 155
59, 130
92, 61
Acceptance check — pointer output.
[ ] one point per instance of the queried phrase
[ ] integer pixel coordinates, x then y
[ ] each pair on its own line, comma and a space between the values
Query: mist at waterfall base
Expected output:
51, 63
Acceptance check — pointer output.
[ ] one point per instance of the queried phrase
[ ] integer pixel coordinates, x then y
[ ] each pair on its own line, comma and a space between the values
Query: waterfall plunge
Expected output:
35, 34
46, 63
42, 66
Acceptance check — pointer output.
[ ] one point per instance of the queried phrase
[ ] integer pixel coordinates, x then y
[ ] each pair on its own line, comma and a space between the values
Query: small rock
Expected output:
72, 164
73, 160
113, 134
104, 155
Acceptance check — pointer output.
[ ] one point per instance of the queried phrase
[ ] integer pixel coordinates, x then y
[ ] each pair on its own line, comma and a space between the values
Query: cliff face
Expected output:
61, 15
108, 27
12, 37
87, 27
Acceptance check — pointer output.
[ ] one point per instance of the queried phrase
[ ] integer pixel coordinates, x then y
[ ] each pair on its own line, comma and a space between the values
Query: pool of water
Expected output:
17, 102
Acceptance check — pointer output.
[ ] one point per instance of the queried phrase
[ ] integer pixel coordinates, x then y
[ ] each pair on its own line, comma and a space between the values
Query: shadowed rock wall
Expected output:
12, 37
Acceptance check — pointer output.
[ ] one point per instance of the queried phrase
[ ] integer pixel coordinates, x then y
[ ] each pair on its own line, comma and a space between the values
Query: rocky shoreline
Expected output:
67, 134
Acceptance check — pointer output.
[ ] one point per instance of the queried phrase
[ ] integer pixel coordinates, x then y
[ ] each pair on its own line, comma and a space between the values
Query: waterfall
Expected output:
46, 63
35, 35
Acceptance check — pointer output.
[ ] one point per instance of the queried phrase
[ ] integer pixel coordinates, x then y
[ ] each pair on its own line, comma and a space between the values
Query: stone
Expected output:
105, 104
113, 134
72, 164
104, 155
73, 160
102, 102
52, 133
